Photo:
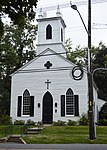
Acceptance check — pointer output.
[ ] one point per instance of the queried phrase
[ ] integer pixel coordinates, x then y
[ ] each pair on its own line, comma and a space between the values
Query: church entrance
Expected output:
47, 108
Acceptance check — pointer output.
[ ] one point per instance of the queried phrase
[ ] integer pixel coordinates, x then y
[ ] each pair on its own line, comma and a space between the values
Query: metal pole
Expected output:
82, 21
92, 130
90, 80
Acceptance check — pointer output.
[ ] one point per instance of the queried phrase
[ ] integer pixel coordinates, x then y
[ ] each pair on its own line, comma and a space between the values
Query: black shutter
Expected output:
31, 106
76, 100
19, 106
62, 105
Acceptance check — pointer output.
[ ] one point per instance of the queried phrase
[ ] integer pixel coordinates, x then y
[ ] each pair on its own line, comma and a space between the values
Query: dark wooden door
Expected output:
47, 108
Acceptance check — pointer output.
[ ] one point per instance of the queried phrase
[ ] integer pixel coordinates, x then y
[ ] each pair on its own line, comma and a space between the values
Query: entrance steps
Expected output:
34, 130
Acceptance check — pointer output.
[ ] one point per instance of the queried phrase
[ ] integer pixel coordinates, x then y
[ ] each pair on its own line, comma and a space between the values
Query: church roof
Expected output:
47, 52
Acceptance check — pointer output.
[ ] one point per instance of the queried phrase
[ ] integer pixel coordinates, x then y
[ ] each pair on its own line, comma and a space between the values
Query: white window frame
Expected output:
71, 104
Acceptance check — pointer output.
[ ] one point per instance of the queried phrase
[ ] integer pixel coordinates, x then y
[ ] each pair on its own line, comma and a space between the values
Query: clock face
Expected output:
77, 73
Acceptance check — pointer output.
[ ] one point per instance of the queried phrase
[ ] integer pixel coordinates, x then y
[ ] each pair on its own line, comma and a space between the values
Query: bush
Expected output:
5, 120
59, 123
103, 112
102, 122
19, 122
83, 120
72, 123
30, 122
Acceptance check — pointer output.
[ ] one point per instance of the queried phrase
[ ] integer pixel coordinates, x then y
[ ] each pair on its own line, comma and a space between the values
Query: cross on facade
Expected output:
48, 64
47, 82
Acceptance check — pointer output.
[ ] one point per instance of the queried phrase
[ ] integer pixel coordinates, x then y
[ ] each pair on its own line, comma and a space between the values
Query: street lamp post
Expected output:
92, 131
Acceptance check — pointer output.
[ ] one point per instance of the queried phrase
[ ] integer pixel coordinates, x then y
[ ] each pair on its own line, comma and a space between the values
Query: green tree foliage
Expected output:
16, 49
18, 11
7, 63
99, 60
79, 56
100, 76
22, 41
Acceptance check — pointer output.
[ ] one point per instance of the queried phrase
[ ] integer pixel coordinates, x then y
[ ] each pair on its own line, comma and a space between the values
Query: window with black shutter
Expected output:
26, 102
31, 106
62, 105
76, 100
19, 106
69, 102
61, 35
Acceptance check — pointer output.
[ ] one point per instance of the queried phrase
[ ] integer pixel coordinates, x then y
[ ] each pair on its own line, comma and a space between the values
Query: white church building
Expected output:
45, 89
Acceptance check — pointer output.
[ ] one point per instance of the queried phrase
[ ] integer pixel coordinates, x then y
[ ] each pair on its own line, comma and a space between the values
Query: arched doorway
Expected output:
47, 108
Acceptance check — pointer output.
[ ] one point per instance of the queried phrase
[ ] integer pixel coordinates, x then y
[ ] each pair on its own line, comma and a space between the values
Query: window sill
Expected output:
70, 116
25, 116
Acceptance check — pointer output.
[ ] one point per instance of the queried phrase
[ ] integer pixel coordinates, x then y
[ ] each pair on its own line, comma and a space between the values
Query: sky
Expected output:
75, 29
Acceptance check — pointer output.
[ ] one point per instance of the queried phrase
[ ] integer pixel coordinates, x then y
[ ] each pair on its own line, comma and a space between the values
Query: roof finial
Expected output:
58, 13
58, 9
40, 13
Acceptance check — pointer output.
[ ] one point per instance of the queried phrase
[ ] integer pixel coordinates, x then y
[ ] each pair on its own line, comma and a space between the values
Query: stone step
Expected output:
34, 130
15, 139
47, 125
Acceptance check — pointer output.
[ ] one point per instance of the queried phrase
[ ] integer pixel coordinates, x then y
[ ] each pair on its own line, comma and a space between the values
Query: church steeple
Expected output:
51, 33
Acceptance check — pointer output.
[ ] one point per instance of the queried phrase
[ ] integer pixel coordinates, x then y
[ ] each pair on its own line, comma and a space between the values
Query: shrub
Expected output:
102, 122
5, 120
30, 122
103, 112
72, 123
19, 122
83, 120
59, 123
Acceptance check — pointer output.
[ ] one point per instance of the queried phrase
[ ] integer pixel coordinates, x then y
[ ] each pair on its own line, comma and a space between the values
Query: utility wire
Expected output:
45, 70
65, 5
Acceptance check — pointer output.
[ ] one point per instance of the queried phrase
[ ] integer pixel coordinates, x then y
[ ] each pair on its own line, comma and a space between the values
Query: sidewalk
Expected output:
53, 146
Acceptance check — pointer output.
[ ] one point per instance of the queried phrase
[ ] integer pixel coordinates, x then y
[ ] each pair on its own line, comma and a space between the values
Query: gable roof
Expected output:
51, 52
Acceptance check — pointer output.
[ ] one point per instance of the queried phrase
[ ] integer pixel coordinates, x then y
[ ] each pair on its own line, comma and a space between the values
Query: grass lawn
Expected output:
67, 135
6, 130
59, 135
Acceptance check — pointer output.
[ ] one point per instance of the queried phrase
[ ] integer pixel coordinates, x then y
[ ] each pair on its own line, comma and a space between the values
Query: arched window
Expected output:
69, 102
26, 102
61, 35
49, 32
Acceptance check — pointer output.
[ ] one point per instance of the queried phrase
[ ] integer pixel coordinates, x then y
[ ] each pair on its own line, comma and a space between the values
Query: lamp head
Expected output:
74, 7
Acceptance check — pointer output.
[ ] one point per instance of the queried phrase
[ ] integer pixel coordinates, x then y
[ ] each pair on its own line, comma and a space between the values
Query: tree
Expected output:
100, 76
78, 56
99, 60
16, 48
7, 63
18, 11
22, 41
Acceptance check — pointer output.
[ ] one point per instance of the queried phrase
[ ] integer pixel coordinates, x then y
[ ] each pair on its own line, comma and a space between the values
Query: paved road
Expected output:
53, 146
